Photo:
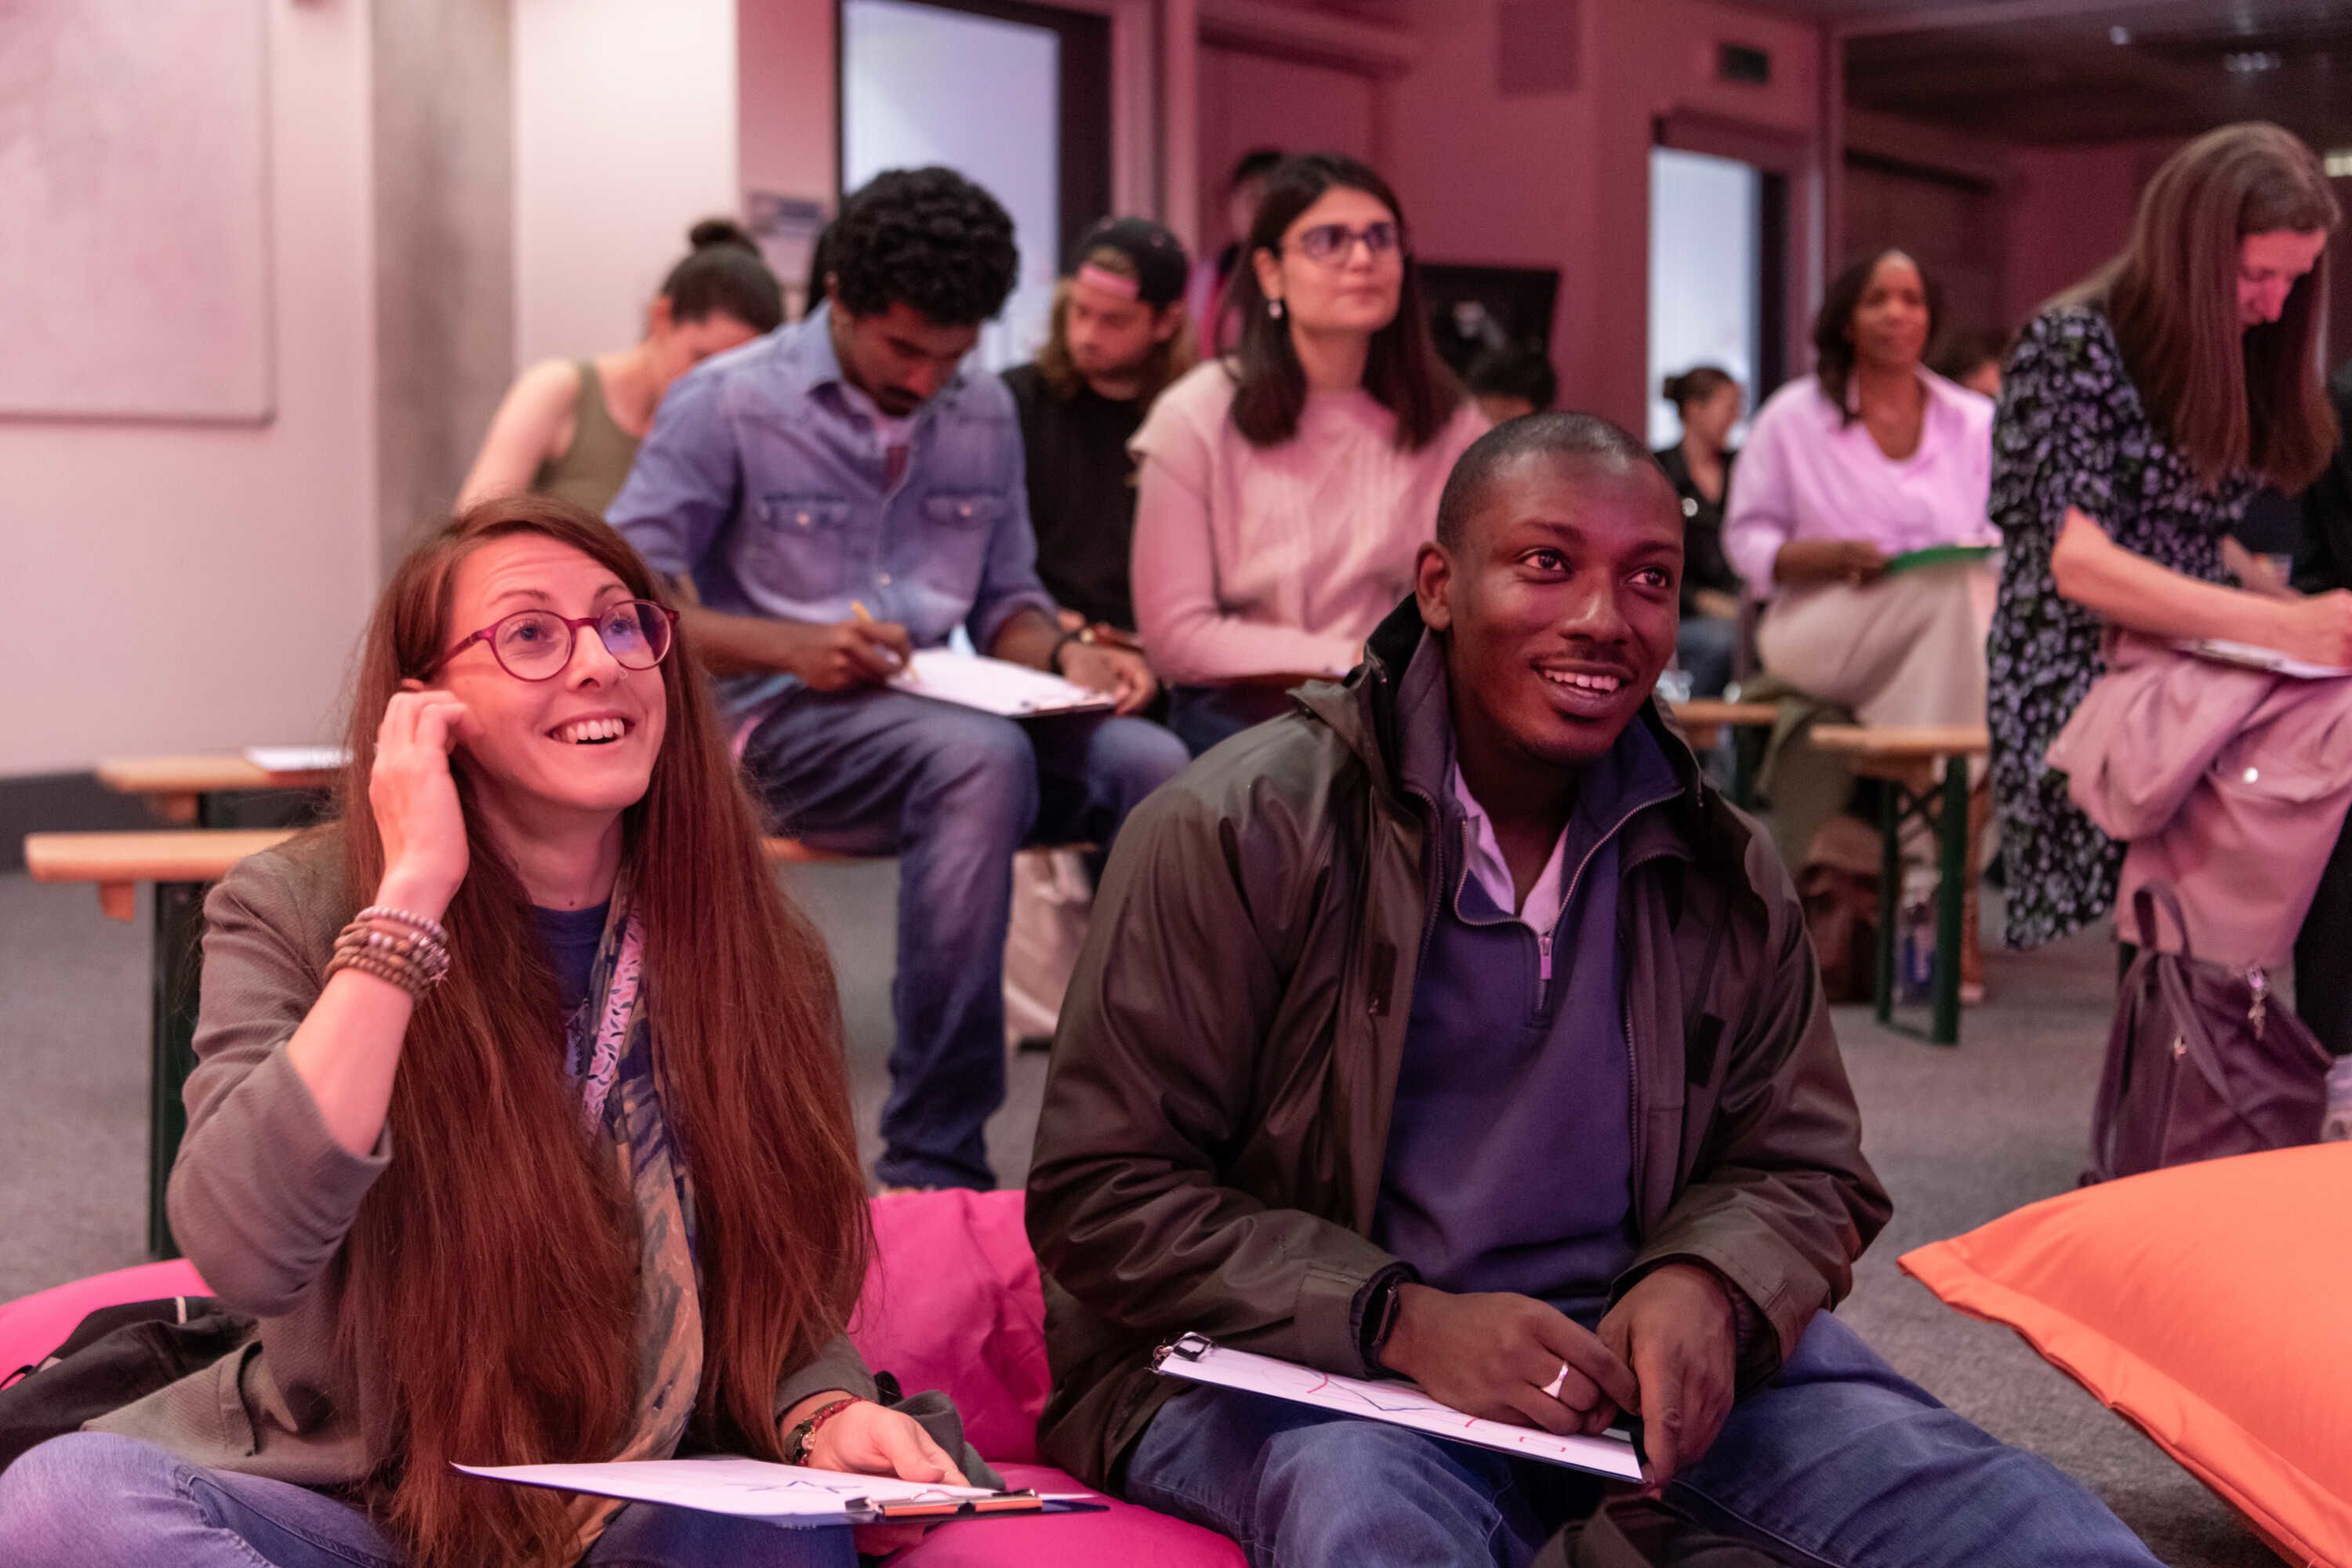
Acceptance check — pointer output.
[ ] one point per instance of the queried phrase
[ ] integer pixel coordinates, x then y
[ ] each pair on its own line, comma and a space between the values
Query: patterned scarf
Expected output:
614, 1067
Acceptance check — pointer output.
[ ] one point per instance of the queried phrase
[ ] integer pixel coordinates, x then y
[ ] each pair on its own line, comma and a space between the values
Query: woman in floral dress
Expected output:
2137, 415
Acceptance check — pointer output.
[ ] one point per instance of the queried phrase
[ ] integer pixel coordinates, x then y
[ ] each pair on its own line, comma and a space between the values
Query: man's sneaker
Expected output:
2336, 1126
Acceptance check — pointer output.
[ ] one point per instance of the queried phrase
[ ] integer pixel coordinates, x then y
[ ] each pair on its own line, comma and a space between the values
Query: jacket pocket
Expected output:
801, 544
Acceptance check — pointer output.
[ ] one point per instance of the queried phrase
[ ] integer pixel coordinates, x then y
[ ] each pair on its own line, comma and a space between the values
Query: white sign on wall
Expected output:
134, 222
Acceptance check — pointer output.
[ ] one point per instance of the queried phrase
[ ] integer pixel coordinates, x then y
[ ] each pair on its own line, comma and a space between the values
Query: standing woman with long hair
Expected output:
2137, 414
519, 1122
1284, 490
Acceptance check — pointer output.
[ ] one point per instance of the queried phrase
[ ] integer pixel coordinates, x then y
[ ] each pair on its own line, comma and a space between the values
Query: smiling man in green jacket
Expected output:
1452, 1026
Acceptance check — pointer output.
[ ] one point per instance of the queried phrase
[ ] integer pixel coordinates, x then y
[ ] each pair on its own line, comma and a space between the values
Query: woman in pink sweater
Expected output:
1285, 490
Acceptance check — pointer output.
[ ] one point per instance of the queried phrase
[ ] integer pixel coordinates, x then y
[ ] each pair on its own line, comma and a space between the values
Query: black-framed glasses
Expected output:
1329, 244
536, 644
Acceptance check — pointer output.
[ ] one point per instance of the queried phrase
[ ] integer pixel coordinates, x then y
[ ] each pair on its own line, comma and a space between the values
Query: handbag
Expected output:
2203, 1061
118, 1354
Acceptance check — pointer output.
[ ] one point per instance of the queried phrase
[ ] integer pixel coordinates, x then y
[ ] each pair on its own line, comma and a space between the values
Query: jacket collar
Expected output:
1367, 714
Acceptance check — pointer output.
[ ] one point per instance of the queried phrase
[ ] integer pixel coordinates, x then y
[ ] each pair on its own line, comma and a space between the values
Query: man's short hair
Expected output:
1515, 370
929, 239
1567, 436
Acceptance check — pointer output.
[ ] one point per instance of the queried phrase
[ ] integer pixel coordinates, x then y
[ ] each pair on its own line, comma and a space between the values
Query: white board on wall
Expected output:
134, 216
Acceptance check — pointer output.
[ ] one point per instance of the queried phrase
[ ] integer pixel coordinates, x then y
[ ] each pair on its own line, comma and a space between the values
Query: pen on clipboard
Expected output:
858, 605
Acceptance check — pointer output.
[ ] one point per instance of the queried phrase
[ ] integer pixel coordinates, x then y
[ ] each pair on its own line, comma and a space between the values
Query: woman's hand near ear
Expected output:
414, 797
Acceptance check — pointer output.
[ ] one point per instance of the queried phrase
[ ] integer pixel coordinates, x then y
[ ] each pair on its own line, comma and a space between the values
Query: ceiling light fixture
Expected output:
2119, 36
2251, 61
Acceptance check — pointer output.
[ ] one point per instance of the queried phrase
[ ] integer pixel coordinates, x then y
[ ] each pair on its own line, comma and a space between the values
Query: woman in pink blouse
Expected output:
1847, 473
1848, 476
1284, 490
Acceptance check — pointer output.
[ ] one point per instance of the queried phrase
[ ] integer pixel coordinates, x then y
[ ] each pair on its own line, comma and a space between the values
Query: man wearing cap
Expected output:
1120, 335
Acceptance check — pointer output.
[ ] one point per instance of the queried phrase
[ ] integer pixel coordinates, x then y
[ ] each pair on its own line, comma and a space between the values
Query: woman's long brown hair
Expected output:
492, 1272
2229, 398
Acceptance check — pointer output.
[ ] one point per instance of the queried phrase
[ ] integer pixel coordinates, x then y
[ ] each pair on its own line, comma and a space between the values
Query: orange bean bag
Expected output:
2211, 1305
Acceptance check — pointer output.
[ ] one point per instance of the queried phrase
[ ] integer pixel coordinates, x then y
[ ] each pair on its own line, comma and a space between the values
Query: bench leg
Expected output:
172, 1030
1951, 905
1890, 894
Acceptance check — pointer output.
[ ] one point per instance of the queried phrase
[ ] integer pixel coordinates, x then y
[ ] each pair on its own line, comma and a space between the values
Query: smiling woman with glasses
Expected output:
519, 1123
1284, 490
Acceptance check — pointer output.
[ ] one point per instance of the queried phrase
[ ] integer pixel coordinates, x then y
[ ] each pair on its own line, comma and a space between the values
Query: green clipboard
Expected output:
1937, 556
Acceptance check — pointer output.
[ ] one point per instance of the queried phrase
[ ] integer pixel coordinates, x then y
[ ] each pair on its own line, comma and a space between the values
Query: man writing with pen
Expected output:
1452, 1026
842, 493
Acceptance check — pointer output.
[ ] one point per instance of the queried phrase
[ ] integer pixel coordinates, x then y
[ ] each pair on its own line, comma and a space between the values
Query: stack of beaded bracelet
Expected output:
408, 950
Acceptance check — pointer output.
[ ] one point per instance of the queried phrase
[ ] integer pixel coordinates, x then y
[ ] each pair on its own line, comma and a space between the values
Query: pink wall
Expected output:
1251, 99
1561, 179
2069, 209
625, 135
193, 587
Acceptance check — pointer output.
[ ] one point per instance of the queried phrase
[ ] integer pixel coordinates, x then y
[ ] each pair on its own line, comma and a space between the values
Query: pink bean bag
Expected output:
952, 1303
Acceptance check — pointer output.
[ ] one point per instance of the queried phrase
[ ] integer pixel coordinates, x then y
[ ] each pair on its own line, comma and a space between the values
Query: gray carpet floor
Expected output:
1959, 1136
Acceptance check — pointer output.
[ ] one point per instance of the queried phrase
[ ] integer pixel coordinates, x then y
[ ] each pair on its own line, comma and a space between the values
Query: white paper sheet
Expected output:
750, 1488
297, 759
1401, 1405
2254, 657
995, 686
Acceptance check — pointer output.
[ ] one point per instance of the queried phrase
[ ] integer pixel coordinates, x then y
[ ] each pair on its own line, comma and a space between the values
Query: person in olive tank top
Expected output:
570, 428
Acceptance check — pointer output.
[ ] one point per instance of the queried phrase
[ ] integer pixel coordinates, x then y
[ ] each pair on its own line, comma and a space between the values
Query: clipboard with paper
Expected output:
791, 1496
1197, 1358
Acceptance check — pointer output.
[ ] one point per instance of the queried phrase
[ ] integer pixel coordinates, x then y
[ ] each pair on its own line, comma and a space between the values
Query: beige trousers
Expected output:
1906, 649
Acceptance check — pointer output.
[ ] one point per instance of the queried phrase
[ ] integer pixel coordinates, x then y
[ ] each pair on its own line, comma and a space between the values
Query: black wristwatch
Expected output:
1380, 1312
1085, 634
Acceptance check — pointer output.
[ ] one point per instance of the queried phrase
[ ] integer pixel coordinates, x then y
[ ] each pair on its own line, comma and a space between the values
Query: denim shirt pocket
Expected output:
800, 546
960, 525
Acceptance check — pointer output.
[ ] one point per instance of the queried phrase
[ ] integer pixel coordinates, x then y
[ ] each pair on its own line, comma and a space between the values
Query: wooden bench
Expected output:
1703, 720
1926, 771
183, 789
181, 863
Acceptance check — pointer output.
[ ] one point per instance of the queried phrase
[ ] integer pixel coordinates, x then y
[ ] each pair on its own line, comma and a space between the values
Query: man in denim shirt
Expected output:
842, 495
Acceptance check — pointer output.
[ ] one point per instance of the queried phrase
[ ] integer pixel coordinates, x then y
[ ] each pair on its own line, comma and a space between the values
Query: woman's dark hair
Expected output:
1515, 370
925, 237
1696, 384
1403, 372
2230, 397
1833, 328
724, 275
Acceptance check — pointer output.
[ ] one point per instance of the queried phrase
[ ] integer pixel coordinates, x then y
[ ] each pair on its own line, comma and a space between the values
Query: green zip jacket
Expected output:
1209, 1156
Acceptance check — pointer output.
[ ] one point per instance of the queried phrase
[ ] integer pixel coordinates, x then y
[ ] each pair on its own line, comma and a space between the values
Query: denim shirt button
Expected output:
803, 520
882, 579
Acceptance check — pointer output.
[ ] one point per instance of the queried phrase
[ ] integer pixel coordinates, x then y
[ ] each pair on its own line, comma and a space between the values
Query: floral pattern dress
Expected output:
2072, 432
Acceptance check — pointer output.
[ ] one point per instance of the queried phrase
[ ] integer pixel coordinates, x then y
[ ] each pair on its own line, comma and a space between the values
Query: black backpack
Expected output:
116, 1355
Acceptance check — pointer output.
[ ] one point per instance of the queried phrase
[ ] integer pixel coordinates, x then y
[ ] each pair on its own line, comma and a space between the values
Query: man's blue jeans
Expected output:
1837, 1463
952, 793
93, 1500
